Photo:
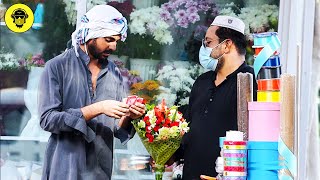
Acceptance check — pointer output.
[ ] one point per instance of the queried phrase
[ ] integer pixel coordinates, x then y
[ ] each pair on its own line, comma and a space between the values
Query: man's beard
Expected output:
220, 64
94, 51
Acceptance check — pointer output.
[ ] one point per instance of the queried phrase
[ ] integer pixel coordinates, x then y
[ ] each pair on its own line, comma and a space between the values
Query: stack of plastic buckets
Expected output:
268, 78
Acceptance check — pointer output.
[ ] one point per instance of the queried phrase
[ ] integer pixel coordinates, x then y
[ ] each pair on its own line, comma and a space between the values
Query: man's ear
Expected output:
228, 45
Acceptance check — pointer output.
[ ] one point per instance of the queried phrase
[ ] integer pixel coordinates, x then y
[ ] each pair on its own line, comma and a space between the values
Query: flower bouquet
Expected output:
161, 131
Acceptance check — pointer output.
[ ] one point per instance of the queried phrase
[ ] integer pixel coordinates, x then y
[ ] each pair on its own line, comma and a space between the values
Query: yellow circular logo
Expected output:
19, 18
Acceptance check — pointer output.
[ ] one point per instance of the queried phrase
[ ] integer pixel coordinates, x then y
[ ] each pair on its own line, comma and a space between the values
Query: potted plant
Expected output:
11, 72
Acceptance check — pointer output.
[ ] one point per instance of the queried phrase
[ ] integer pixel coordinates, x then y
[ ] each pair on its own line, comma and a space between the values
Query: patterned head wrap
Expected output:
100, 21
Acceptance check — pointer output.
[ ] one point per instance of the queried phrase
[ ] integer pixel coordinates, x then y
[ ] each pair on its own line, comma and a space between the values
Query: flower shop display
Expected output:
256, 19
177, 82
129, 77
147, 90
184, 13
161, 131
184, 16
32, 61
151, 24
148, 35
11, 73
8, 61
260, 19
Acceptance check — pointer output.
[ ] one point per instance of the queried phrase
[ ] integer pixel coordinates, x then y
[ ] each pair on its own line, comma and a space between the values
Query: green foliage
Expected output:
149, 107
140, 46
56, 31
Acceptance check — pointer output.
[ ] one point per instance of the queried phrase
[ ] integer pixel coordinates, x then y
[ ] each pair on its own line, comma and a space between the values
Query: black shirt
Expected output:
212, 112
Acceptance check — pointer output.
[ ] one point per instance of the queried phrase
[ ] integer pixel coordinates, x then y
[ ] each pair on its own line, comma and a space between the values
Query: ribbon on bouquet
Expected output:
270, 43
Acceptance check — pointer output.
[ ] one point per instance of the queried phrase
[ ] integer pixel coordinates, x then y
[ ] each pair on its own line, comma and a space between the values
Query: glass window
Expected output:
158, 60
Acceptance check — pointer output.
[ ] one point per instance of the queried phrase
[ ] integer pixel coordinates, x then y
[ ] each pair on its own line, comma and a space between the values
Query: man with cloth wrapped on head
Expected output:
212, 106
80, 101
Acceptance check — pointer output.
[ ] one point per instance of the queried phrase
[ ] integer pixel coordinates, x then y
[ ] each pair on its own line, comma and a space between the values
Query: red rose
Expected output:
174, 124
156, 128
150, 137
159, 121
168, 121
148, 123
146, 118
148, 130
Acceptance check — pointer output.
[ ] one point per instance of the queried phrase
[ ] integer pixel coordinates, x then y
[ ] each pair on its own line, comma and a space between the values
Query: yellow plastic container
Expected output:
268, 96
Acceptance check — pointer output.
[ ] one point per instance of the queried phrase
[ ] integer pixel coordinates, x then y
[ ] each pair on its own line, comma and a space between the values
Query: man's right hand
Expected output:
110, 108
114, 108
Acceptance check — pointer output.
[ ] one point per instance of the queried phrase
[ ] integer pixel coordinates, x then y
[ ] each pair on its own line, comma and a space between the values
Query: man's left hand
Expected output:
137, 110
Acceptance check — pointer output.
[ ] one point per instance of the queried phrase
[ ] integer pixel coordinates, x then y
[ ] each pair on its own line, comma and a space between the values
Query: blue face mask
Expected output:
205, 57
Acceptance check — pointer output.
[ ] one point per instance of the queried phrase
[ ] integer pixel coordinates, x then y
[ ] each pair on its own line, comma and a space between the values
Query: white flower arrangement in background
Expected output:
8, 61
256, 19
148, 21
71, 10
177, 82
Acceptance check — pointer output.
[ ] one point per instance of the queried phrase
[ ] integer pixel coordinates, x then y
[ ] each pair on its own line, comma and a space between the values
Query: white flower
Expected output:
227, 11
184, 126
256, 19
141, 124
8, 61
164, 133
177, 80
149, 21
174, 131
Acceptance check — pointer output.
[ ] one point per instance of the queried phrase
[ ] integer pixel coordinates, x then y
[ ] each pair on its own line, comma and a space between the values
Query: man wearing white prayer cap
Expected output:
80, 101
213, 100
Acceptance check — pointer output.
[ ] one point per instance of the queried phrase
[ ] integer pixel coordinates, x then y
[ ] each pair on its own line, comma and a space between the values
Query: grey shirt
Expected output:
78, 149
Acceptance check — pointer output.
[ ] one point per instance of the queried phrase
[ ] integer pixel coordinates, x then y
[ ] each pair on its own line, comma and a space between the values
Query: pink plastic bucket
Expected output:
264, 121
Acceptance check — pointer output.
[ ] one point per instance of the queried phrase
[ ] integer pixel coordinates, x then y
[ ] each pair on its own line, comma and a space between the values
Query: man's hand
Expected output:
137, 110
114, 108
168, 163
204, 177
110, 108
